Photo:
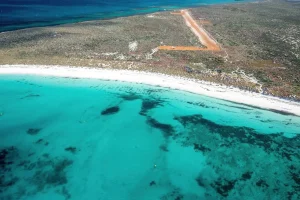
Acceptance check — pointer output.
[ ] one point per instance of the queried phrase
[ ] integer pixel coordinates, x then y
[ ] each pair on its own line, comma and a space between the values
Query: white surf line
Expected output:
156, 79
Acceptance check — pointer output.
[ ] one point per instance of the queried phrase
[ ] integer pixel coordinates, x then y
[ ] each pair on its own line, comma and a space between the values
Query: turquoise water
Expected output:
64, 138
19, 14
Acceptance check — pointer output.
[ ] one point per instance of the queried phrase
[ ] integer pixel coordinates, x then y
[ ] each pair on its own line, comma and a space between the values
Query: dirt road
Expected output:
199, 31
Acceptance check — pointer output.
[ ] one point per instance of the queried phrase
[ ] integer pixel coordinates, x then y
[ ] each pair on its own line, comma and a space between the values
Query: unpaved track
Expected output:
199, 31
182, 48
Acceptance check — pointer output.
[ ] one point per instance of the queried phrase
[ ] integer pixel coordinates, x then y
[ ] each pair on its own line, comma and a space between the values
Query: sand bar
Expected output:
174, 82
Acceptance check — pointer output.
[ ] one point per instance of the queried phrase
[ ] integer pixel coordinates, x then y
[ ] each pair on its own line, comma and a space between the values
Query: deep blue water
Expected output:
74, 139
18, 14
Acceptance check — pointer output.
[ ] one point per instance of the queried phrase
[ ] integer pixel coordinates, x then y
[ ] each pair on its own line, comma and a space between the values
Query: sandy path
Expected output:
182, 48
199, 31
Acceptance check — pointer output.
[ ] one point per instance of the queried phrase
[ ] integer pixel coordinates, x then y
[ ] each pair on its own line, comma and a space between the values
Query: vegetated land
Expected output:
260, 45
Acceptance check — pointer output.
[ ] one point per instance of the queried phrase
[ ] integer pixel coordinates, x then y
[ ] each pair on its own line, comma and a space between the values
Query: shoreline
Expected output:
156, 79
145, 11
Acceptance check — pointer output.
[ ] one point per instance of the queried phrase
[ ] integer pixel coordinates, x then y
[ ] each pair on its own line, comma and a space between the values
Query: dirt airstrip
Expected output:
205, 39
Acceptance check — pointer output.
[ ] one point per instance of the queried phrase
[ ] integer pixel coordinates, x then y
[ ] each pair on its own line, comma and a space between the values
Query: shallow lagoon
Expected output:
66, 138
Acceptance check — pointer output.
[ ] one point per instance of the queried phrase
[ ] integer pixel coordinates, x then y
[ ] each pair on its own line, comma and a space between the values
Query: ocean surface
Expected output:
19, 14
68, 138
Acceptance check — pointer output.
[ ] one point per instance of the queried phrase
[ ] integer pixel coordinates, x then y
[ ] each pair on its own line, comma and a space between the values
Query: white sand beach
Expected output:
173, 82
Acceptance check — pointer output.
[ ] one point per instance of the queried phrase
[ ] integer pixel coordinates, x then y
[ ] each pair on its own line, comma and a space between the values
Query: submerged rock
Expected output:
73, 150
246, 176
33, 131
110, 110
152, 183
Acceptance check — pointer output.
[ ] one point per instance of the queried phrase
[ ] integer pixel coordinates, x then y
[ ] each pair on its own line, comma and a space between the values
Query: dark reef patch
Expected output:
73, 150
33, 131
223, 187
3, 155
46, 155
238, 107
262, 183
110, 110
64, 192
6, 157
167, 129
130, 97
51, 173
200, 147
202, 182
179, 197
42, 173
285, 147
190, 119
152, 183
41, 141
7, 183
149, 104
246, 176
173, 195
199, 104
156, 90
243, 146
164, 147
295, 174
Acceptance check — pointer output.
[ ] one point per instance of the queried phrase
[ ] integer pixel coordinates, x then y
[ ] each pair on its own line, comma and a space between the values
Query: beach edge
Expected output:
156, 79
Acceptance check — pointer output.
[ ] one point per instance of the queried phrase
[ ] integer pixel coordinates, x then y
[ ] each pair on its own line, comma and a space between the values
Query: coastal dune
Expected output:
173, 82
